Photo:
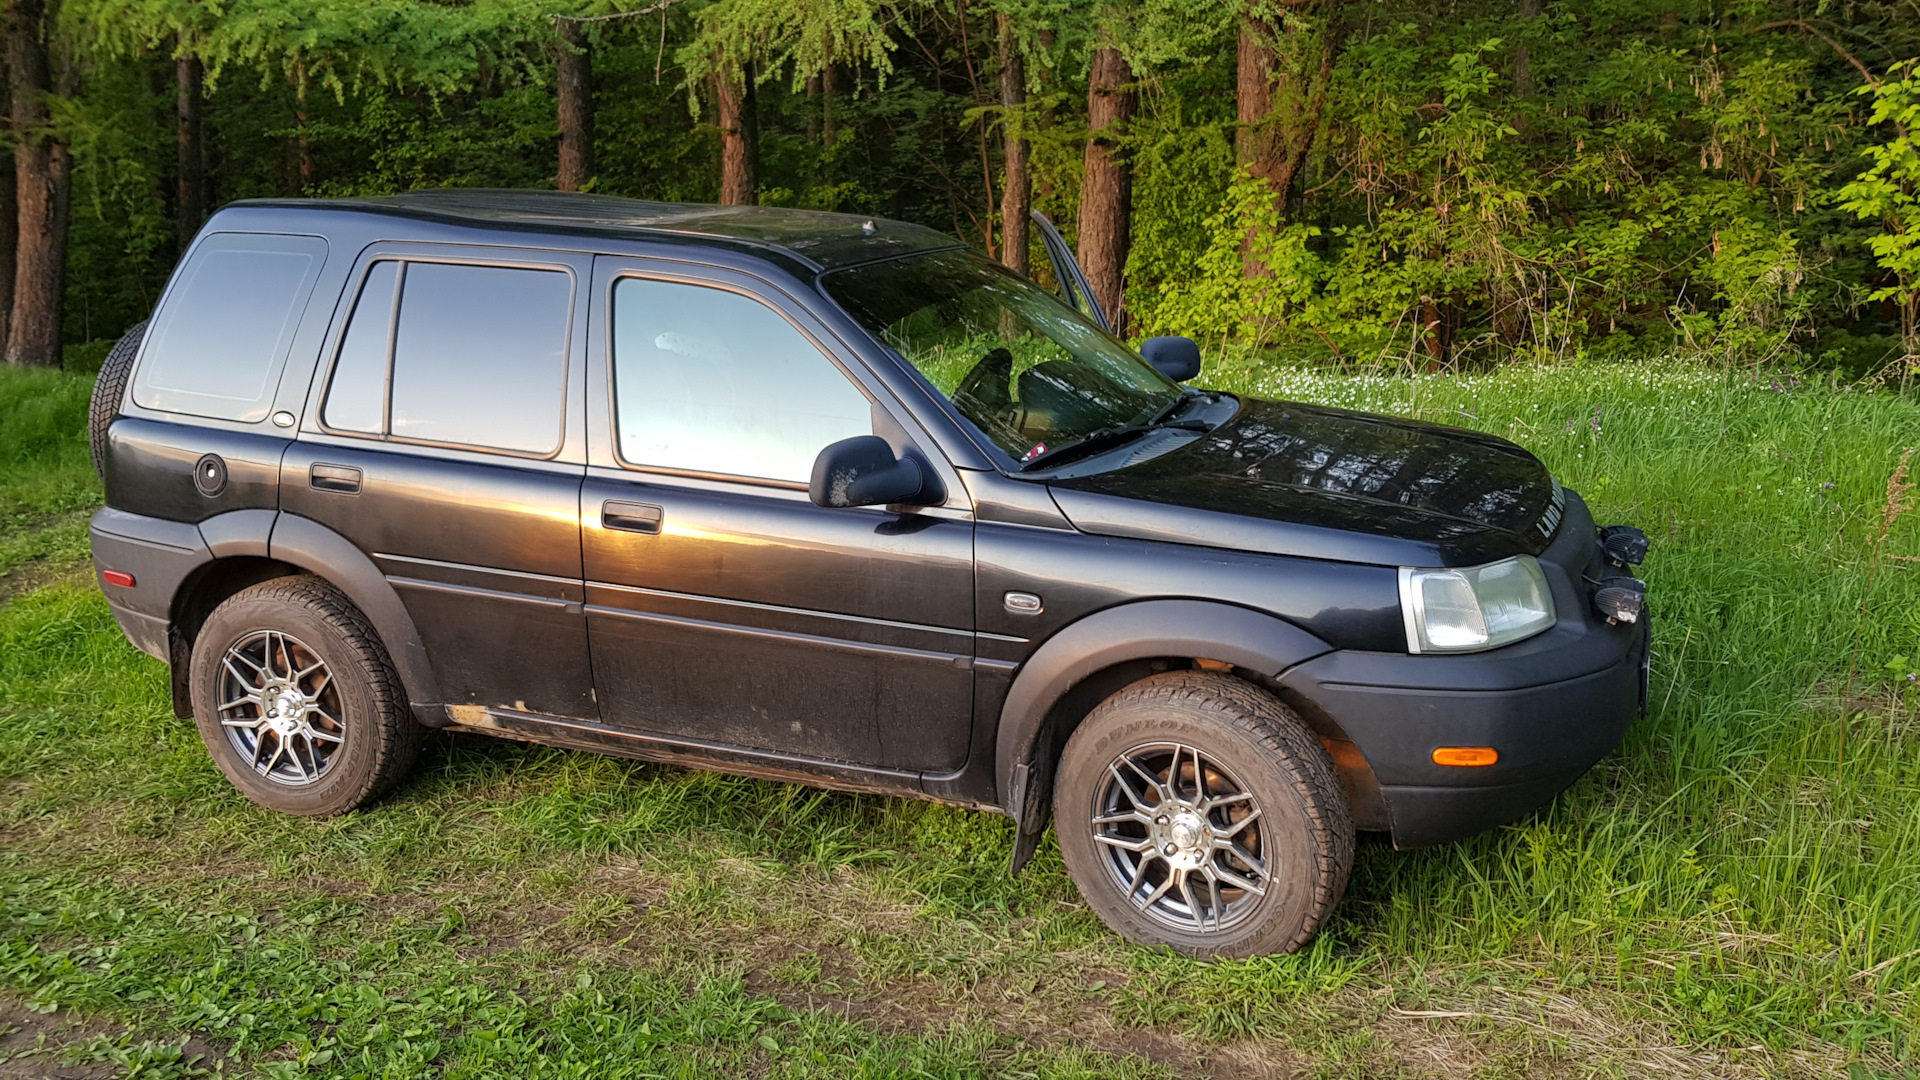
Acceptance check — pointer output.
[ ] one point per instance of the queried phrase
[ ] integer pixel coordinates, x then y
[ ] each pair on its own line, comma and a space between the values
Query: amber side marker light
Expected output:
117, 577
1465, 755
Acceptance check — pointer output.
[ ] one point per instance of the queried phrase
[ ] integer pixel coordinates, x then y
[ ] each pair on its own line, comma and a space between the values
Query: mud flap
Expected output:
179, 664
1032, 803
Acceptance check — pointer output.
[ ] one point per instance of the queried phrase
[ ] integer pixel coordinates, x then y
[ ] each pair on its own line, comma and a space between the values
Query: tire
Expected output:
349, 736
1270, 788
109, 388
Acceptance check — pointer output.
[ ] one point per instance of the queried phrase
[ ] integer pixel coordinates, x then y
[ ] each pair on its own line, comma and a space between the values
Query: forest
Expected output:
1422, 184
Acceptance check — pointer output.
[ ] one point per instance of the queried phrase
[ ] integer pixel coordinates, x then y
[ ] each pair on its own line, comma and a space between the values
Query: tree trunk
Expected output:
1106, 194
43, 173
1511, 307
9, 244
573, 81
1279, 109
1253, 95
1523, 85
189, 208
302, 149
1435, 331
813, 114
739, 138
1523, 56
829, 129
1016, 184
9, 222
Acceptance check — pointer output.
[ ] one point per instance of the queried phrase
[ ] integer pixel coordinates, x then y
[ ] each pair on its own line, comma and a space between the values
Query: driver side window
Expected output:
712, 381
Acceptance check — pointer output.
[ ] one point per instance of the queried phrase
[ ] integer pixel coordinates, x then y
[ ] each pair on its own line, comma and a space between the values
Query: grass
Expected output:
1723, 897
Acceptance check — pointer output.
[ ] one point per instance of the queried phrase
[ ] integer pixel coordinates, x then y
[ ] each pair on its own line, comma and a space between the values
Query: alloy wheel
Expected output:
280, 708
1181, 837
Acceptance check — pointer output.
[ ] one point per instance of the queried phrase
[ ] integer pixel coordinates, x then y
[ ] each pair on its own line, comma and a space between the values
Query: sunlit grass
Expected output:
1729, 894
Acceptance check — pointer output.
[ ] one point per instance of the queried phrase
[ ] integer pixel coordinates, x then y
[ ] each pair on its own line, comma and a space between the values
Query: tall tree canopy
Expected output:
1439, 183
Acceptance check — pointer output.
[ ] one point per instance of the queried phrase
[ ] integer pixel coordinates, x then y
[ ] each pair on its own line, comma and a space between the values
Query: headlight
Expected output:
1480, 607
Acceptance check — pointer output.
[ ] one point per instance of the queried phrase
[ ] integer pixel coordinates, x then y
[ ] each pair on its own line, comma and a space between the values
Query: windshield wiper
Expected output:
1172, 408
1108, 437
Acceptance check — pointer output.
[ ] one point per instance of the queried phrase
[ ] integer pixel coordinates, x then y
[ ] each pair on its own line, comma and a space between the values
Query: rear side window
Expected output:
476, 356
357, 397
217, 346
707, 380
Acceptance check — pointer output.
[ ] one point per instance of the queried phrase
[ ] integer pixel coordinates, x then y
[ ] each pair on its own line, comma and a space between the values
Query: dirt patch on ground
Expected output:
40, 573
33, 1044
61, 1046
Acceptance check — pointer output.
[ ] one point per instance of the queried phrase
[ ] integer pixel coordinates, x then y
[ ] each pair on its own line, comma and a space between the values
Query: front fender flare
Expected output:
1143, 630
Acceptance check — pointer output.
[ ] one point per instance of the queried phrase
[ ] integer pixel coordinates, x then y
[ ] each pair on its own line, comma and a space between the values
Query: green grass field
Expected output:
1735, 893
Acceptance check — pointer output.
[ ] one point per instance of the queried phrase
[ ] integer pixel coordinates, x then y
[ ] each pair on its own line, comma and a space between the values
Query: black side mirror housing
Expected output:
1178, 358
863, 471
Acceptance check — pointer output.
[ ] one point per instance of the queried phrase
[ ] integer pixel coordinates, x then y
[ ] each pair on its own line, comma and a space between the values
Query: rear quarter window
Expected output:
217, 345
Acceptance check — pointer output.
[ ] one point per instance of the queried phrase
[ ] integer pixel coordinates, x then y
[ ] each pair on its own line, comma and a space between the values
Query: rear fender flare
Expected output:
307, 544
1137, 632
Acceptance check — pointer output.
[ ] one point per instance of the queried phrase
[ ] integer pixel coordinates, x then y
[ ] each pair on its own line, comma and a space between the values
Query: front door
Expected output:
448, 445
723, 606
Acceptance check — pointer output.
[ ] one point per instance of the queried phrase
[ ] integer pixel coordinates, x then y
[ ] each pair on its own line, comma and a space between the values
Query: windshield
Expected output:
1027, 370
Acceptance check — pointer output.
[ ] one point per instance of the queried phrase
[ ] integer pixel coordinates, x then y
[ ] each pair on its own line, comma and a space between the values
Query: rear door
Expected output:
724, 606
447, 444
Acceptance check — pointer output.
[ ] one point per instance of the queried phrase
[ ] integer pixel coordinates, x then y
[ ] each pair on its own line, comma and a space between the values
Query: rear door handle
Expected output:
630, 516
341, 478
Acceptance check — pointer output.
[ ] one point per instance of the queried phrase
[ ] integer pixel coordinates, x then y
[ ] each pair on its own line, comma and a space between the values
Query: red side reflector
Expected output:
1465, 755
117, 577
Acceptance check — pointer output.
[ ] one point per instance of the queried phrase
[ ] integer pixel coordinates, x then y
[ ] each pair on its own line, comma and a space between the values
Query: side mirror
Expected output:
862, 471
1178, 358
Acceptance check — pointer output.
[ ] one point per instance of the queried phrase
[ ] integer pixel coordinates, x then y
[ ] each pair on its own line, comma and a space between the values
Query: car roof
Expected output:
815, 238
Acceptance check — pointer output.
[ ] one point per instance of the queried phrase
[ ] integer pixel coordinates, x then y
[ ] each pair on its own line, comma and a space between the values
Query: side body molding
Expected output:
312, 546
1140, 631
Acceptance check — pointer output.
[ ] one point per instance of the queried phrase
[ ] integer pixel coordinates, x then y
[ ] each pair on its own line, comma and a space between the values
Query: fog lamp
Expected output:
1624, 545
1621, 599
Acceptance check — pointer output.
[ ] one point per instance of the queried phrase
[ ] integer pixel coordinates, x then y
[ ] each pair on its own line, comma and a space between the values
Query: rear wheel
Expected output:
1195, 811
297, 701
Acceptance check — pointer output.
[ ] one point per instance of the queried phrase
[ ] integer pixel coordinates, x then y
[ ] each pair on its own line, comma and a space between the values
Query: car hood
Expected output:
1296, 479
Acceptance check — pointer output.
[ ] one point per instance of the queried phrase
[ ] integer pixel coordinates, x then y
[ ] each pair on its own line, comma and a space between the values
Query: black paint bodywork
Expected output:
576, 600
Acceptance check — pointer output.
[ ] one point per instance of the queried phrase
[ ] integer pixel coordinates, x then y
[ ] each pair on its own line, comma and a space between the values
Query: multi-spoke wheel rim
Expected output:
280, 708
1181, 836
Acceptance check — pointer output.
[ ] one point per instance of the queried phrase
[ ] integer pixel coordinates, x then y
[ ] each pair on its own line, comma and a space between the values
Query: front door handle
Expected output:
630, 516
341, 478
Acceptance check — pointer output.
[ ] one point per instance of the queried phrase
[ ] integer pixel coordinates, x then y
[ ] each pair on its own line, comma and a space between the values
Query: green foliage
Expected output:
1890, 191
1662, 178
1218, 300
802, 37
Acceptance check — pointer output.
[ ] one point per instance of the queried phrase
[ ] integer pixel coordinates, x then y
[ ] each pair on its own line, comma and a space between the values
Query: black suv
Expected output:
841, 502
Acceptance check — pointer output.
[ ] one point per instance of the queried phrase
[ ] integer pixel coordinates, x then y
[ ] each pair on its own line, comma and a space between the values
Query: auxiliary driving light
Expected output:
1621, 600
1624, 545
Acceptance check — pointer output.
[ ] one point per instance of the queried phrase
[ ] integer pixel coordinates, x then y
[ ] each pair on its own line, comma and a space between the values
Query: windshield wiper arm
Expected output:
1172, 408
1103, 438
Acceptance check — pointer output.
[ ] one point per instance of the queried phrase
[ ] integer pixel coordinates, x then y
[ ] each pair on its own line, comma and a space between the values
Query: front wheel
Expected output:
1195, 811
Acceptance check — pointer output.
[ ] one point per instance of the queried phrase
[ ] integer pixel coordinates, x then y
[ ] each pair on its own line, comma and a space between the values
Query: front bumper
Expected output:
1399, 709
1552, 706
